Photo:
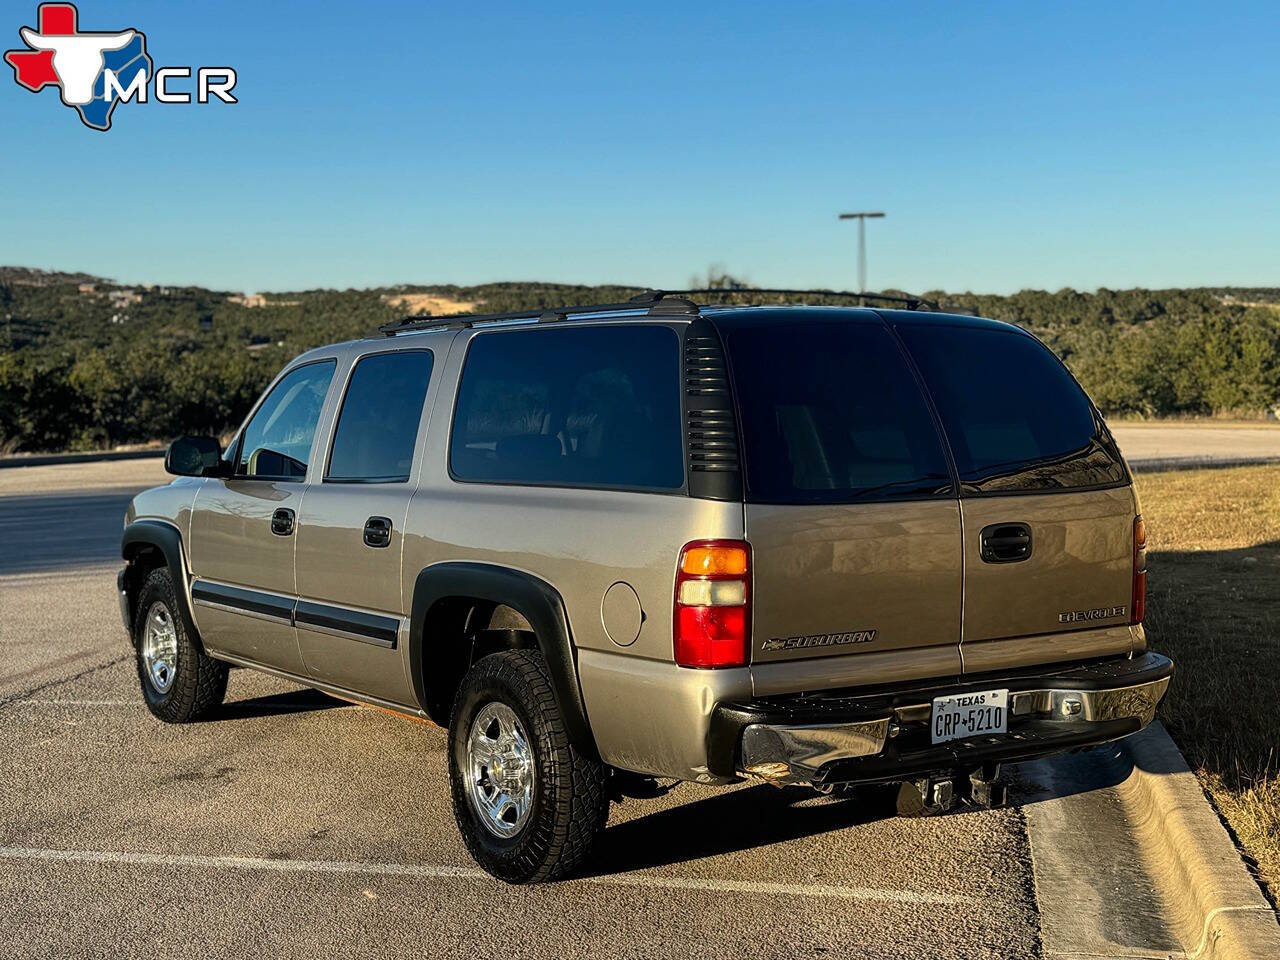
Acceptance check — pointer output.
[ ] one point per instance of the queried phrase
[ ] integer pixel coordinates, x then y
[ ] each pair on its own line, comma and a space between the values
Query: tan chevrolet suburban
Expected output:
661, 539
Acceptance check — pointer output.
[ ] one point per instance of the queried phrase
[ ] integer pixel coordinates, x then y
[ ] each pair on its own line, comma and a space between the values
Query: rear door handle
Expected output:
377, 532
282, 522
1006, 542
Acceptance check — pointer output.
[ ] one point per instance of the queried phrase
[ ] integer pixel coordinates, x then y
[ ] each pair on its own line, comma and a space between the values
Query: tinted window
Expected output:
597, 406
831, 414
378, 425
277, 441
1015, 418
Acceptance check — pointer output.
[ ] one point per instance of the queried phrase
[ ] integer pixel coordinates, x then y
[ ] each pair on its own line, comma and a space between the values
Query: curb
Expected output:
50, 459
1215, 906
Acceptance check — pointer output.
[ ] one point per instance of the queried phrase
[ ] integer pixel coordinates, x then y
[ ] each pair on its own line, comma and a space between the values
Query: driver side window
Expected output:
277, 441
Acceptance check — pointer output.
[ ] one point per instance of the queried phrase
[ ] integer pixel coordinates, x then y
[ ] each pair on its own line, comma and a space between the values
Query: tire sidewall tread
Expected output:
570, 803
200, 682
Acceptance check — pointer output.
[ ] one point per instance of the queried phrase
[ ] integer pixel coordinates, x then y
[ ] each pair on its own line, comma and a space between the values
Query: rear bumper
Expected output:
838, 737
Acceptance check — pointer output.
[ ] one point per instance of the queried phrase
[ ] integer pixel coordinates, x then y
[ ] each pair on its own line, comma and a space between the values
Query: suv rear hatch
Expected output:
873, 482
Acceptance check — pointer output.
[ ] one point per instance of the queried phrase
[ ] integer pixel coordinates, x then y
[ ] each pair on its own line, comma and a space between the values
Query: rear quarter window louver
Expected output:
711, 429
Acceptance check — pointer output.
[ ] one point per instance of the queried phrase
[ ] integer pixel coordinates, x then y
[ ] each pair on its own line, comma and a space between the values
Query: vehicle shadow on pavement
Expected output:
763, 815
293, 701
730, 822
1067, 775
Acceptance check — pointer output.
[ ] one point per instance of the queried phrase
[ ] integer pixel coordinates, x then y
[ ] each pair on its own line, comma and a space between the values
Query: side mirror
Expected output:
194, 457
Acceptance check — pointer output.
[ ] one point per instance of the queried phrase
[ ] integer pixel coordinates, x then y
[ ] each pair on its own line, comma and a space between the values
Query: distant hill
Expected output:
30, 277
88, 363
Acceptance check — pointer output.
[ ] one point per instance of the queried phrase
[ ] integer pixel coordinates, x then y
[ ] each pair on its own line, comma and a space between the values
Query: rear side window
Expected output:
378, 425
1015, 418
596, 406
830, 413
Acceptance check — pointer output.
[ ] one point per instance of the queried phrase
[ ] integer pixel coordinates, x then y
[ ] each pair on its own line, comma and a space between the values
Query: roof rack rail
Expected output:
460, 321
655, 302
911, 303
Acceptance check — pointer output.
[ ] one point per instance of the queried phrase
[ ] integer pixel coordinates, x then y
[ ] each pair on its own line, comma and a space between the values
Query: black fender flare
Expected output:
162, 536
536, 600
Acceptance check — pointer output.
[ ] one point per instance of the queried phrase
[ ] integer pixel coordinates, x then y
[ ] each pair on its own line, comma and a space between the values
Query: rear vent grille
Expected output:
713, 434
713, 442
711, 428
704, 371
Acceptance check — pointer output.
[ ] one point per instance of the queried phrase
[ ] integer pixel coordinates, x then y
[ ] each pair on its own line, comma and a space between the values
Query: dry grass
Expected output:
1214, 606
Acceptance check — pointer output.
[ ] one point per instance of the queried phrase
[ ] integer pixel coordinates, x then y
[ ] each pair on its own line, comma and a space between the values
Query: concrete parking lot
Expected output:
292, 824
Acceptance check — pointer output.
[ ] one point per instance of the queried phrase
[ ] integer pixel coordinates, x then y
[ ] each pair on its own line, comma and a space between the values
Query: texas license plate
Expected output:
970, 715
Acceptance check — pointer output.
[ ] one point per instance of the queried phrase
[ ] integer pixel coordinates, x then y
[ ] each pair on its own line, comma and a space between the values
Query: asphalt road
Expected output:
60, 531
294, 825
1156, 445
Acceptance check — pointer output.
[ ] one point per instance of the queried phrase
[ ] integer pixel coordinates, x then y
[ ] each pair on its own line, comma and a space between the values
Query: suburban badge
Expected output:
819, 640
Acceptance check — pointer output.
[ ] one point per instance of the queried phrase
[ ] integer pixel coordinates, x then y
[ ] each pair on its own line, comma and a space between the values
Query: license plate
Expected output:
970, 715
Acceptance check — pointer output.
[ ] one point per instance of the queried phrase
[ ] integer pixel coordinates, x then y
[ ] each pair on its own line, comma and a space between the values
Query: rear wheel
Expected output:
528, 803
179, 683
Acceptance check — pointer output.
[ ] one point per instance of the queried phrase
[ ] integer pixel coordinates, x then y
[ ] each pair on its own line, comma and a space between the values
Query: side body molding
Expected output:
144, 535
536, 600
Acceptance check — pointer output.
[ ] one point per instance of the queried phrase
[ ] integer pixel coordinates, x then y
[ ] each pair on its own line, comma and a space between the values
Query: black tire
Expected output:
197, 683
570, 801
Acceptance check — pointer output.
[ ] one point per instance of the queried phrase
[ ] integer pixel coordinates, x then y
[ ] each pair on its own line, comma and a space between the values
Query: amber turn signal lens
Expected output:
714, 561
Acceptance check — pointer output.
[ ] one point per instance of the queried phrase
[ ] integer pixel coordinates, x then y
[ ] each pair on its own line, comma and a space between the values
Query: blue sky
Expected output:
1013, 145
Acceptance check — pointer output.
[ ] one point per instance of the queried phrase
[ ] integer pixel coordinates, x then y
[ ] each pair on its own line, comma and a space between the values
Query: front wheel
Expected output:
179, 683
528, 803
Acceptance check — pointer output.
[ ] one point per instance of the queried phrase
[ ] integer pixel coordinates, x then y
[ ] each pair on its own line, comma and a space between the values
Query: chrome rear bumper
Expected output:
872, 743
793, 753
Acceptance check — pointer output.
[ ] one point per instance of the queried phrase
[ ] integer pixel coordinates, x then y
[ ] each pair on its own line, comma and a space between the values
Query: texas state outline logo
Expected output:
96, 71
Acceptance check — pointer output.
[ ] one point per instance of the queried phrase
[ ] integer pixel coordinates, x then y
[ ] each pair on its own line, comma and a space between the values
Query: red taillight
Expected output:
712, 620
1138, 609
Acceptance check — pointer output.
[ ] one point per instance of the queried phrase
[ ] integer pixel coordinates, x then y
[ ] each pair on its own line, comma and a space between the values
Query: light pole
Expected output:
862, 244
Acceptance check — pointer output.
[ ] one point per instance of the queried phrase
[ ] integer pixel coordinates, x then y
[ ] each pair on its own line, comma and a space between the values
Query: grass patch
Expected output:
1214, 607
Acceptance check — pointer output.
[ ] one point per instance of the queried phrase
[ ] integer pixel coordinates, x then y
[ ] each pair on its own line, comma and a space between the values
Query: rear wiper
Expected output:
879, 488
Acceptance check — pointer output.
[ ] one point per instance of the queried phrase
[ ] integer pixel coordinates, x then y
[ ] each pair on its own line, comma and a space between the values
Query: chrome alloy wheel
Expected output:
160, 647
500, 770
